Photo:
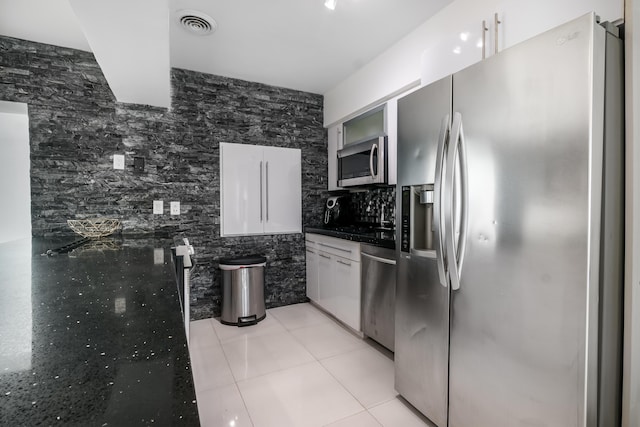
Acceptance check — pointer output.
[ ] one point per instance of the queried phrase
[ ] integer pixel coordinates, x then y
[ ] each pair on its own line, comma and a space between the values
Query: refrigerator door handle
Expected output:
457, 147
438, 192
374, 148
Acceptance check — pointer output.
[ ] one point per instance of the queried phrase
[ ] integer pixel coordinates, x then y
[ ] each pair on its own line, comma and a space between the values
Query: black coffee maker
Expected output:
336, 211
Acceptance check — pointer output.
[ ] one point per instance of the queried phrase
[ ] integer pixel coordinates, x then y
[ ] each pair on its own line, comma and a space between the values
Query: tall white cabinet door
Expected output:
326, 294
312, 272
240, 178
346, 302
282, 190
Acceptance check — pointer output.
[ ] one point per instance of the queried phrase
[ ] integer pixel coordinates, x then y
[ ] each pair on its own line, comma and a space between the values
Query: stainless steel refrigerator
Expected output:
510, 201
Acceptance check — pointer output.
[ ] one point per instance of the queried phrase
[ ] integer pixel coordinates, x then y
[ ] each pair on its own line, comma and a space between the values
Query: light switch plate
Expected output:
158, 255
158, 207
175, 208
118, 161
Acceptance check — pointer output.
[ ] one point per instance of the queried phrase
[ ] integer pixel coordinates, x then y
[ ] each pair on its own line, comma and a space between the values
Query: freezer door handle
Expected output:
439, 191
457, 149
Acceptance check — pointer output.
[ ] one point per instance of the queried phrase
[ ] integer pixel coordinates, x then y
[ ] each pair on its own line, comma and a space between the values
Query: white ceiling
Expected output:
297, 44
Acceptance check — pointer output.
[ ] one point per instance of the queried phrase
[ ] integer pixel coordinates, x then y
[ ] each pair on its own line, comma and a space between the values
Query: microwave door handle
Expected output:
374, 148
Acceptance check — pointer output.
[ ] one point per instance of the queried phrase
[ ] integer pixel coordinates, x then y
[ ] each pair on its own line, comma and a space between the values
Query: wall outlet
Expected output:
138, 164
118, 161
175, 208
158, 207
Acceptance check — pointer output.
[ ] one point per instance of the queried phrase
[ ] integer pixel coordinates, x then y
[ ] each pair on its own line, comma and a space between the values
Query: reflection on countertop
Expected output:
359, 233
93, 336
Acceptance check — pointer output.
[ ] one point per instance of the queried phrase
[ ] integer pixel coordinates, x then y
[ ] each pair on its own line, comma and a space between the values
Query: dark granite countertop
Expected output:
93, 337
362, 234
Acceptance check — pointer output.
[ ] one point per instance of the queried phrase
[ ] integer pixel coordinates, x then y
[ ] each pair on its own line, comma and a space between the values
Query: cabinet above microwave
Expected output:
366, 127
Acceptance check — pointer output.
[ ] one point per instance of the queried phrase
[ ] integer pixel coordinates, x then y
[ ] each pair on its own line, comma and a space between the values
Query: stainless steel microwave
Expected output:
363, 163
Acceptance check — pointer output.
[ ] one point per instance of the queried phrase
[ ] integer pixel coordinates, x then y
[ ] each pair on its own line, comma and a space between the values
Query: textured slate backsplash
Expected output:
374, 206
76, 126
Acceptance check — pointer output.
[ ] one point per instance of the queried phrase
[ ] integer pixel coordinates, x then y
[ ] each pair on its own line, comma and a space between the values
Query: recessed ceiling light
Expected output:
330, 4
196, 22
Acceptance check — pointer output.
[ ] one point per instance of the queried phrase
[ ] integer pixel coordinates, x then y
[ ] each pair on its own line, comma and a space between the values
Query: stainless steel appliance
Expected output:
336, 211
378, 278
510, 195
363, 163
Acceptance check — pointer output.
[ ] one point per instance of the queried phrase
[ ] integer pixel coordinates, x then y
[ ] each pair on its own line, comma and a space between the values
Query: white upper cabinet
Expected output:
260, 190
240, 189
518, 20
523, 19
282, 190
449, 41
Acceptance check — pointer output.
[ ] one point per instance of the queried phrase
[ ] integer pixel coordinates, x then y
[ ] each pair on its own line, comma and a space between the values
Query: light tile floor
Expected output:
299, 368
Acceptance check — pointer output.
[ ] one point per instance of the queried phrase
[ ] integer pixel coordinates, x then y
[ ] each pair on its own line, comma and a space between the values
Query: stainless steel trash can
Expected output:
243, 290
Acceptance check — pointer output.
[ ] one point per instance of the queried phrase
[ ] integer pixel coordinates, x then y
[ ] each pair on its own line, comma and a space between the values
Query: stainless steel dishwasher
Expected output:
378, 294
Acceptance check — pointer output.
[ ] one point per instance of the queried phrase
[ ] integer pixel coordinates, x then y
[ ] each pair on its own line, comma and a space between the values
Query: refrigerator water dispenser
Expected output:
417, 220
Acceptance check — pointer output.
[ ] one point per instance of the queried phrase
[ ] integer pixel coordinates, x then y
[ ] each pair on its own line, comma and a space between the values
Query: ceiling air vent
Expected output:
196, 22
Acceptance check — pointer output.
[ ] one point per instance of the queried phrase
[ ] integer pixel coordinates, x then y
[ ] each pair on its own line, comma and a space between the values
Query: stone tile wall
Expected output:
76, 126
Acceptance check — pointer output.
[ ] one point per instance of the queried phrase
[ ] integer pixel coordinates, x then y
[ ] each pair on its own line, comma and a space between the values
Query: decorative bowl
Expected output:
94, 228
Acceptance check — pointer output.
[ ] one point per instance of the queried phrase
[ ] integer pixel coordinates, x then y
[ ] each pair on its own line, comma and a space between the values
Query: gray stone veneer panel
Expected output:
76, 126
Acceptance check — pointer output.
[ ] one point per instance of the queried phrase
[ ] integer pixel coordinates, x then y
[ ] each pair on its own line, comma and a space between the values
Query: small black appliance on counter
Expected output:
336, 211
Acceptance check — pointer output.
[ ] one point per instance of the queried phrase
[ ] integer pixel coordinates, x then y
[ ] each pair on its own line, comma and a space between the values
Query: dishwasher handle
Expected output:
377, 258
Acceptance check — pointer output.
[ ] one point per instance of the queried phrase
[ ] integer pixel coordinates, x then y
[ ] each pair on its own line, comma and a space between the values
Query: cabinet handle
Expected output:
496, 22
310, 251
336, 248
261, 191
266, 174
344, 263
484, 36
325, 256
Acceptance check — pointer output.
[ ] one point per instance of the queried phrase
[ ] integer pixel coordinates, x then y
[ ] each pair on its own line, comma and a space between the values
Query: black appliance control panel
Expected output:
405, 222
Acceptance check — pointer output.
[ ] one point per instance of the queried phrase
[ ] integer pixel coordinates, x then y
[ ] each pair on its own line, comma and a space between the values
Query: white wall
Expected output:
631, 363
15, 190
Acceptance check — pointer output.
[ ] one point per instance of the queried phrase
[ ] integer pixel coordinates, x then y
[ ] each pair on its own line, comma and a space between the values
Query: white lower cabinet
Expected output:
325, 278
346, 291
312, 270
337, 275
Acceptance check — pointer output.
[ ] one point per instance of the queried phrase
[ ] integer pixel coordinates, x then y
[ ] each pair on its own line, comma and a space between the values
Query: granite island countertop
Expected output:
92, 337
